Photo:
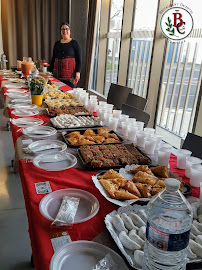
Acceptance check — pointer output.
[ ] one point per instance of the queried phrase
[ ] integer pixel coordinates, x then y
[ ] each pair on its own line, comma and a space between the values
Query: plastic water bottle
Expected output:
169, 220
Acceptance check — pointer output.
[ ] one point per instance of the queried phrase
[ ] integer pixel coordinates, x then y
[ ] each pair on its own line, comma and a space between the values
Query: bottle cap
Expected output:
172, 184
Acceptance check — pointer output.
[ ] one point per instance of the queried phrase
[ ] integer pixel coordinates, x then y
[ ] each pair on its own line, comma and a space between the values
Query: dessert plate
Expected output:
57, 161
27, 122
24, 112
84, 255
38, 147
88, 204
39, 131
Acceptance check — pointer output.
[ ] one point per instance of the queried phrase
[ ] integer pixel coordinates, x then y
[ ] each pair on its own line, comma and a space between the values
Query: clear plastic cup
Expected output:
140, 125
196, 175
158, 141
182, 154
150, 145
101, 113
102, 103
93, 97
141, 135
125, 129
113, 123
117, 113
189, 162
150, 130
93, 105
106, 118
132, 131
123, 117
131, 121
164, 156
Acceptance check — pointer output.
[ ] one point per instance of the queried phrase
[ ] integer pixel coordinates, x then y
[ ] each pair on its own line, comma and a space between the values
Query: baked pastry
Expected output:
110, 187
123, 194
161, 171
143, 168
145, 189
110, 174
111, 140
89, 132
120, 182
131, 187
98, 139
145, 178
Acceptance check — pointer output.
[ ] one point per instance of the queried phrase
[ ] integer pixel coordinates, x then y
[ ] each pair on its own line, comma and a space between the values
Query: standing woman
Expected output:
66, 60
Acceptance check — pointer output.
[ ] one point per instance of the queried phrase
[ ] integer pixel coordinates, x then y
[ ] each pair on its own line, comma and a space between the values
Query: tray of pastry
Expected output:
70, 122
111, 156
133, 183
72, 110
91, 136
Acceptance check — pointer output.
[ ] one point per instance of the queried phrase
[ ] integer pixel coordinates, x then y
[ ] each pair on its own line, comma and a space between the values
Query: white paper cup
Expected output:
196, 175
164, 156
189, 162
113, 123
125, 129
93, 105
141, 135
182, 154
150, 145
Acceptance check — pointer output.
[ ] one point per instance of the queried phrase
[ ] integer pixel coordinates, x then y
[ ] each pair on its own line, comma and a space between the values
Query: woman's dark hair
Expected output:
64, 23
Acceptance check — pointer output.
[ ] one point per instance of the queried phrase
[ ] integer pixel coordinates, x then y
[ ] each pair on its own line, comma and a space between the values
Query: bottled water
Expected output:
169, 222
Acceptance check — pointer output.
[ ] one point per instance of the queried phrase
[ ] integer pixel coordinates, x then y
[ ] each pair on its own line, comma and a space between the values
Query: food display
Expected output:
71, 121
146, 182
55, 93
55, 111
91, 136
112, 155
127, 227
63, 101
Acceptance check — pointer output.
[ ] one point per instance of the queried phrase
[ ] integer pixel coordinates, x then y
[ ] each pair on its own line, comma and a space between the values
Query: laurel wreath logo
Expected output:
170, 29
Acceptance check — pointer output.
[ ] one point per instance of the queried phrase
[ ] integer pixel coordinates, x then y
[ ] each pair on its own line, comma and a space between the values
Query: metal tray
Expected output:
106, 168
82, 130
76, 114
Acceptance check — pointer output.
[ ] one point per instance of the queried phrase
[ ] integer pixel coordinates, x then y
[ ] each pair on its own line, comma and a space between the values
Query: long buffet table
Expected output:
77, 177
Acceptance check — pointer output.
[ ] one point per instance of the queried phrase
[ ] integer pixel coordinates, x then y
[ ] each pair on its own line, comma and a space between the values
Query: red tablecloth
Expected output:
39, 227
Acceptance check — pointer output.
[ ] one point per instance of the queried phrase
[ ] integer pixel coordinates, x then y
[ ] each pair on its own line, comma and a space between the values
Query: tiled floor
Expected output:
15, 250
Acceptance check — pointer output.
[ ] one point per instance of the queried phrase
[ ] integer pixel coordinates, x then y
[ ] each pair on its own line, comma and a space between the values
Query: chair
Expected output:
136, 113
117, 95
193, 143
136, 101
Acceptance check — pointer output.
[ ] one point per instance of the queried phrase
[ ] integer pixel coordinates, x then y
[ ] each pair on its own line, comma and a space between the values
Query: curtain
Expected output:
91, 39
30, 28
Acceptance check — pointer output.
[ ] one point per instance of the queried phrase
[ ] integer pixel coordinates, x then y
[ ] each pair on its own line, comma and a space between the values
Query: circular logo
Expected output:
176, 23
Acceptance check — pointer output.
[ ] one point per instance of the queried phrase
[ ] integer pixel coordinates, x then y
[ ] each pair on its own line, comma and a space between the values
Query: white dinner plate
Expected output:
84, 255
18, 95
24, 100
39, 131
24, 112
27, 122
16, 91
16, 80
88, 204
16, 85
22, 106
39, 147
57, 161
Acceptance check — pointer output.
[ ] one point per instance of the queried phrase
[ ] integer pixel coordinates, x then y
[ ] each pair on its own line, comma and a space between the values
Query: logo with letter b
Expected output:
176, 23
